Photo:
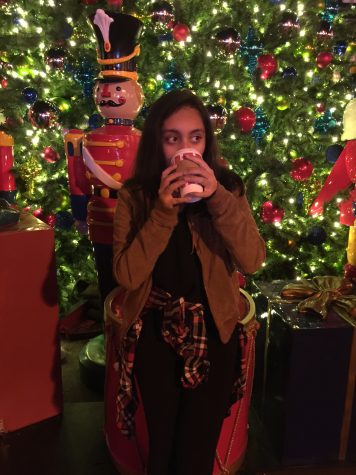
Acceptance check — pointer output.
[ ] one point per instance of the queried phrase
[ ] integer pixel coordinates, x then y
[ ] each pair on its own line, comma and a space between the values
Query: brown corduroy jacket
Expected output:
225, 238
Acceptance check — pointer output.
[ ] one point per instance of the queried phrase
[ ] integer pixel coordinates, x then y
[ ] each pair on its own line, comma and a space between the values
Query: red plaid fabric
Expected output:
183, 328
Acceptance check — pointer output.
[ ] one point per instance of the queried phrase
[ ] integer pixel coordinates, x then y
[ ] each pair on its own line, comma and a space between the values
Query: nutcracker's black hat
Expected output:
117, 35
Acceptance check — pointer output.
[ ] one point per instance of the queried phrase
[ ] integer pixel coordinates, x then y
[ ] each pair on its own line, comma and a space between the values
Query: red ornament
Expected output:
268, 65
302, 169
3, 82
50, 155
245, 119
324, 59
270, 213
350, 271
320, 107
114, 3
180, 32
49, 219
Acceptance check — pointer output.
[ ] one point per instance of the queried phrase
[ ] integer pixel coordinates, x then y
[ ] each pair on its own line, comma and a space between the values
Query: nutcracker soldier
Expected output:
343, 175
101, 160
7, 179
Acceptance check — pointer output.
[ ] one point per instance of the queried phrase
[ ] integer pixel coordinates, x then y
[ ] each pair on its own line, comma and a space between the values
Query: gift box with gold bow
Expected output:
308, 368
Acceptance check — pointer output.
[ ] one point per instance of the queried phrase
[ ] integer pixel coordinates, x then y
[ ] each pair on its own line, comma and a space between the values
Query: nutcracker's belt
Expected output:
104, 192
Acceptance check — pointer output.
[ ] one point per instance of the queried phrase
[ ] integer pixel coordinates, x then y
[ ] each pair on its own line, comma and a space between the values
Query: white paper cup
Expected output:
181, 158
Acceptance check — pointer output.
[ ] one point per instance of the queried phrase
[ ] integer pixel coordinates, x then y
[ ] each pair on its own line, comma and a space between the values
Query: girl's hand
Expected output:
171, 182
204, 176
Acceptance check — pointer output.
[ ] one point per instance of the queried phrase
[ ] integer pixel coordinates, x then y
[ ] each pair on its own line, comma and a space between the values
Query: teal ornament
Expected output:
173, 79
325, 123
261, 125
250, 49
331, 10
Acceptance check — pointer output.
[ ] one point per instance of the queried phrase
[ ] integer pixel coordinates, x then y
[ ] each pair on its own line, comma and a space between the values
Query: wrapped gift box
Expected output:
30, 371
306, 380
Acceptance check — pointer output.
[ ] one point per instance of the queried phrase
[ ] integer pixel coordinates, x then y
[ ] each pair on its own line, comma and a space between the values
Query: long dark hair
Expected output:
150, 160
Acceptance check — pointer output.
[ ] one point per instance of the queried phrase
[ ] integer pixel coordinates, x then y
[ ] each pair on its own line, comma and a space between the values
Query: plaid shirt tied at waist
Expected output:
183, 328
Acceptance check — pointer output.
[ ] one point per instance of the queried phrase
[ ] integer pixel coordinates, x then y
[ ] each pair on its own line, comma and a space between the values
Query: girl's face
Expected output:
183, 129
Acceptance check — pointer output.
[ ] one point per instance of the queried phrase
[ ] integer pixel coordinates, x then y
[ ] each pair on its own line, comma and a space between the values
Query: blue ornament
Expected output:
289, 73
299, 199
88, 89
95, 121
276, 2
64, 220
316, 235
166, 37
29, 94
84, 72
67, 31
332, 152
340, 48
261, 125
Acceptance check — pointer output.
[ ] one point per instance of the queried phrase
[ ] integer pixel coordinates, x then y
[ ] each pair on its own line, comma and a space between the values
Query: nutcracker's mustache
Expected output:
111, 103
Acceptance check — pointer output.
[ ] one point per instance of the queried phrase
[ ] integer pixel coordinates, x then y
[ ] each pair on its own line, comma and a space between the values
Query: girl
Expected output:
177, 262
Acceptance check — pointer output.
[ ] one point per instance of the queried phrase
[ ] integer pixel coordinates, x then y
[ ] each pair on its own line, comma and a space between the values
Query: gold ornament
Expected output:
28, 171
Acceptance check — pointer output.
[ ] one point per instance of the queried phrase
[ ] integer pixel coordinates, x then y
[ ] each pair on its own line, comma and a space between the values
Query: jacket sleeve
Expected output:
135, 256
233, 220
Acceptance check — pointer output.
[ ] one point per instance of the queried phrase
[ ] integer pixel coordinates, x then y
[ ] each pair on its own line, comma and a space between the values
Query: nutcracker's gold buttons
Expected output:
117, 176
104, 193
119, 163
120, 144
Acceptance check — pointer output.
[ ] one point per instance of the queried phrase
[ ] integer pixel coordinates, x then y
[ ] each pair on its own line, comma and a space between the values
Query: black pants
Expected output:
183, 424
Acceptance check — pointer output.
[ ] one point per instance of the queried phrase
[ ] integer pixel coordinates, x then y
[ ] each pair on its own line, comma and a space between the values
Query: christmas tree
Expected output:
276, 76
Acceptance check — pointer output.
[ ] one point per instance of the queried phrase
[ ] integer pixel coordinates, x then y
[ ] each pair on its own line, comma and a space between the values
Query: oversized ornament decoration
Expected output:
245, 119
268, 65
180, 32
332, 152
324, 59
43, 114
302, 169
218, 117
228, 40
271, 213
340, 48
55, 58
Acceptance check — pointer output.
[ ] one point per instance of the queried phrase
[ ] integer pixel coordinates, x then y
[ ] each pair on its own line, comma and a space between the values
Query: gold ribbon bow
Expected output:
322, 293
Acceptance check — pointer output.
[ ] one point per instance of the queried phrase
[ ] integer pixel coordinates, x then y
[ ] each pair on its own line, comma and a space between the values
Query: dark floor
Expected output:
73, 444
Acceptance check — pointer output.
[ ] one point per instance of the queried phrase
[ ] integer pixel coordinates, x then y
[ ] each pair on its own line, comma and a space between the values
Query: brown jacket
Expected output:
225, 239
